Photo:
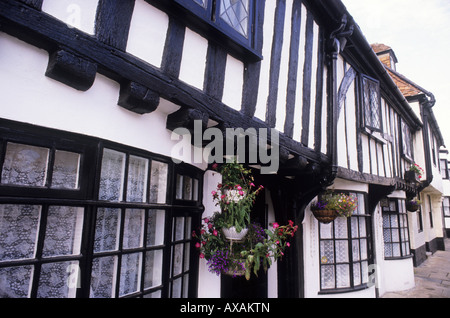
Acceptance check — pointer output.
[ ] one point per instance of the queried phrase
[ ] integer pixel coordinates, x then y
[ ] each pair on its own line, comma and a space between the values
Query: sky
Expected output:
419, 33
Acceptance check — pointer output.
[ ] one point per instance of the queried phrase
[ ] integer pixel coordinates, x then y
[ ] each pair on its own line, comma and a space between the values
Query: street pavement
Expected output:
432, 277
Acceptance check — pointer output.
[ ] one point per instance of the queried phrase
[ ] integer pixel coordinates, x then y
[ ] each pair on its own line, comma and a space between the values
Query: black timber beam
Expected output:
46, 32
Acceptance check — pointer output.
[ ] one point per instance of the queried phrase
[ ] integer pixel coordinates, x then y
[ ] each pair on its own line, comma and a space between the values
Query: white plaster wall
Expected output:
263, 92
298, 114
79, 14
398, 275
233, 84
148, 31
272, 273
208, 283
31, 97
284, 70
193, 61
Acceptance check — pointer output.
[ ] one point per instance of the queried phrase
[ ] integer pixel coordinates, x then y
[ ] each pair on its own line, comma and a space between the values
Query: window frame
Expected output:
398, 211
86, 197
364, 81
350, 240
207, 22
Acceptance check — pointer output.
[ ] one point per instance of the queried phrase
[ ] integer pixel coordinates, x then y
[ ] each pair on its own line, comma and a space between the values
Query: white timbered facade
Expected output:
99, 187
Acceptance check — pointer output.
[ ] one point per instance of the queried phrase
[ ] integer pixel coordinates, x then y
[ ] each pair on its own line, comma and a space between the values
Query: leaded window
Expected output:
233, 17
371, 101
395, 229
345, 250
446, 206
70, 227
406, 140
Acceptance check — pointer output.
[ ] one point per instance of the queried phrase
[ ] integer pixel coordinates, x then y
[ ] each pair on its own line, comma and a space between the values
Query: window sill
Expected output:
397, 258
343, 290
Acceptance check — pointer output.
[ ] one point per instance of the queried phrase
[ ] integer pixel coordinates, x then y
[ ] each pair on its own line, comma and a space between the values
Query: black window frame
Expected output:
446, 207
444, 168
207, 22
407, 142
397, 216
370, 85
351, 245
86, 197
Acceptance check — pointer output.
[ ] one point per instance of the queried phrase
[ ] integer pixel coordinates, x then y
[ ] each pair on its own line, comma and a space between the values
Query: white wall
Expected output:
31, 97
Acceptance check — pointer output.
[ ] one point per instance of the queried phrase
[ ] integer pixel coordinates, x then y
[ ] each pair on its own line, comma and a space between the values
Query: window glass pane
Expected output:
58, 280
187, 232
130, 273
176, 288
365, 272
153, 268
25, 165
107, 230
342, 251
201, 2
63, 231
66, 170
357, 274
187, 252
327, 277
137, 179
355, 250
133, 231
158, 186
326, 252
187, 188
195, 190
103, 277
155, 227
15, 282
354, 226
362, 227
363, 248
326, 230
179, 187
178, 228
177, 258
156, 294
340, 228
388, 250
236, 14
186, 286
112, 172
18, 231
342, 276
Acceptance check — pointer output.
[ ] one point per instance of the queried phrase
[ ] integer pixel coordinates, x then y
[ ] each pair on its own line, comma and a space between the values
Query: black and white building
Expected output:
96, 198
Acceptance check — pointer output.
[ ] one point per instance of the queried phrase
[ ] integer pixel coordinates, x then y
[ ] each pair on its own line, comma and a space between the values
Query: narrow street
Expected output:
432, 277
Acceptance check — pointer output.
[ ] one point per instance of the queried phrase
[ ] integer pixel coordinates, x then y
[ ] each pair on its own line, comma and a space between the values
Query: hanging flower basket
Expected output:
413, 205
258, 249
325, 216
329, 206
232, 234
414, 174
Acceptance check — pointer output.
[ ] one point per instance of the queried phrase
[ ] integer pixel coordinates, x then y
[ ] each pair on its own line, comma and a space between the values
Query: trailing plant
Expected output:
343, 204
235, 195
259, 248
417, 169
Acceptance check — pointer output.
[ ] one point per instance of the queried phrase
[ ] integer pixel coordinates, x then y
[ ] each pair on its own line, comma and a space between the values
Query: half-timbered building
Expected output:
101, 183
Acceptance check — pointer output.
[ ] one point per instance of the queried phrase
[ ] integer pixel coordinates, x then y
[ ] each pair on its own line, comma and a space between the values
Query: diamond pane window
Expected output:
344, 250
236, 14
371, 103
395, 229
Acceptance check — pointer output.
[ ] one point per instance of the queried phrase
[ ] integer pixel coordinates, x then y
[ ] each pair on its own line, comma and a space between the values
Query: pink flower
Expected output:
202, 255
223, 196
202, 232
291, 223
252, 184
241, 192
203, 243
206, 220
239, 187
194, 234
288, 244
277, 242
213, 193
198, 245
215, 233
210, 226
276, 225
214, 166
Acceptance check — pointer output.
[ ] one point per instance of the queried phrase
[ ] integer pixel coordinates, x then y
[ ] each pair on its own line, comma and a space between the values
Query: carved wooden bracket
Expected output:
138, 98
71, 70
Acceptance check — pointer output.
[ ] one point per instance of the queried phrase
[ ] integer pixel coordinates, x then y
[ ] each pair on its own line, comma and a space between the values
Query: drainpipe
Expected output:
425, 106
336, 44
